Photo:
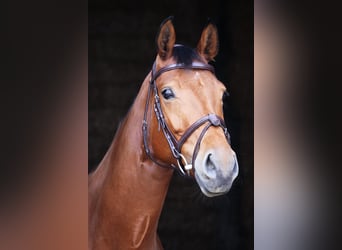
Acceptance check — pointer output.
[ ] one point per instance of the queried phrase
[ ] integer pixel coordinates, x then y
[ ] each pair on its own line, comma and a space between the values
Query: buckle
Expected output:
187, 166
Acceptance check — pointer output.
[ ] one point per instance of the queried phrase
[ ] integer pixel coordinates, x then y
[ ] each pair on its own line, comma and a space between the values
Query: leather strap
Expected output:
194, 65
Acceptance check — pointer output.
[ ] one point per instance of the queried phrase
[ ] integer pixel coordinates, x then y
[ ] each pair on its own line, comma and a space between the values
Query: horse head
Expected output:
190, 98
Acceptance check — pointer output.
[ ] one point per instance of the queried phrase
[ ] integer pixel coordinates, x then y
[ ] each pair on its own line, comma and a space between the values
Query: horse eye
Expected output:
167, 93
225, 96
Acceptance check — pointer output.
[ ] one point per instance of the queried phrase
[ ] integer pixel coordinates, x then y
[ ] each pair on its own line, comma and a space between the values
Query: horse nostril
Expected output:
209, 163
209, 167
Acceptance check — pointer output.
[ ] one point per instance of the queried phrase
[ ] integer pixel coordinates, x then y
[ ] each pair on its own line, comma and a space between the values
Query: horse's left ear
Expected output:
208, 45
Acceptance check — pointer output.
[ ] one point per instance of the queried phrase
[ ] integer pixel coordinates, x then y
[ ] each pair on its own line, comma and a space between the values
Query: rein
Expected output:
176, 145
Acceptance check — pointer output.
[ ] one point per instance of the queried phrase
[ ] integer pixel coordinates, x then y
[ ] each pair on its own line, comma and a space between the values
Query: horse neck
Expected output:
133, 188
128, 161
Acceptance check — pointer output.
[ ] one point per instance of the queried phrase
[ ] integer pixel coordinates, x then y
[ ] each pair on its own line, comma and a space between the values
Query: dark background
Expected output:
121, 52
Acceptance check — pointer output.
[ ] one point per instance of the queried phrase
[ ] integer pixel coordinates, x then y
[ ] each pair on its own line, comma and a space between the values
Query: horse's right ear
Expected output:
166, 39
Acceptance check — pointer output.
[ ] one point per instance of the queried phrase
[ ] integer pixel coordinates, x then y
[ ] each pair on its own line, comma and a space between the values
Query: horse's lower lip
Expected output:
205, 190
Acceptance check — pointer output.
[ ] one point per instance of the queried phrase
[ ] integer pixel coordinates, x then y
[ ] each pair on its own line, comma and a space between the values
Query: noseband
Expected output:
176, 145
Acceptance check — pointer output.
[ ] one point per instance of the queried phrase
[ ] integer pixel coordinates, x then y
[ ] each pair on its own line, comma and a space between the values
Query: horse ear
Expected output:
166, 39
209, 44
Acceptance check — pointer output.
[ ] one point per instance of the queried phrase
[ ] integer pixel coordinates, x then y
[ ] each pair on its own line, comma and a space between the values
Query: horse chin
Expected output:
208, 192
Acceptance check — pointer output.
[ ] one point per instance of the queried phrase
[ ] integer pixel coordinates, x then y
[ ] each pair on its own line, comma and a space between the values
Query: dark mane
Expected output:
185, 55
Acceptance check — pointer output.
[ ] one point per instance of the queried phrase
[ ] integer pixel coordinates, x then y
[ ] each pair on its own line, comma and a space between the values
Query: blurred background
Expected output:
121, 53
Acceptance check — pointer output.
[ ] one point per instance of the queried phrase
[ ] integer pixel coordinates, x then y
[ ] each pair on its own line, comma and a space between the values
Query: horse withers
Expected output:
175, 123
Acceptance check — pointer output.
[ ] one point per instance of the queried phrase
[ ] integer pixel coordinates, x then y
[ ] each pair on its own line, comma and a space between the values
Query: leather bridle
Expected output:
176, 145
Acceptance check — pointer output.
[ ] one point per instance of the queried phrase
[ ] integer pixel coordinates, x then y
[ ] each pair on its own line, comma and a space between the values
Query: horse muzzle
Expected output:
215, 174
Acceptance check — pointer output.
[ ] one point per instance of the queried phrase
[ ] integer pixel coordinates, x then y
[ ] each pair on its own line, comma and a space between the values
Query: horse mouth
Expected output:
205, 190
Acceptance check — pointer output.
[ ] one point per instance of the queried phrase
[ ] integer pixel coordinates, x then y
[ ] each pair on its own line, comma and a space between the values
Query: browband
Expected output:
194, 65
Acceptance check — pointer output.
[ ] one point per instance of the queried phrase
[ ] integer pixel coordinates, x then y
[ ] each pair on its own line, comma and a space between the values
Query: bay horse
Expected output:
176, 123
